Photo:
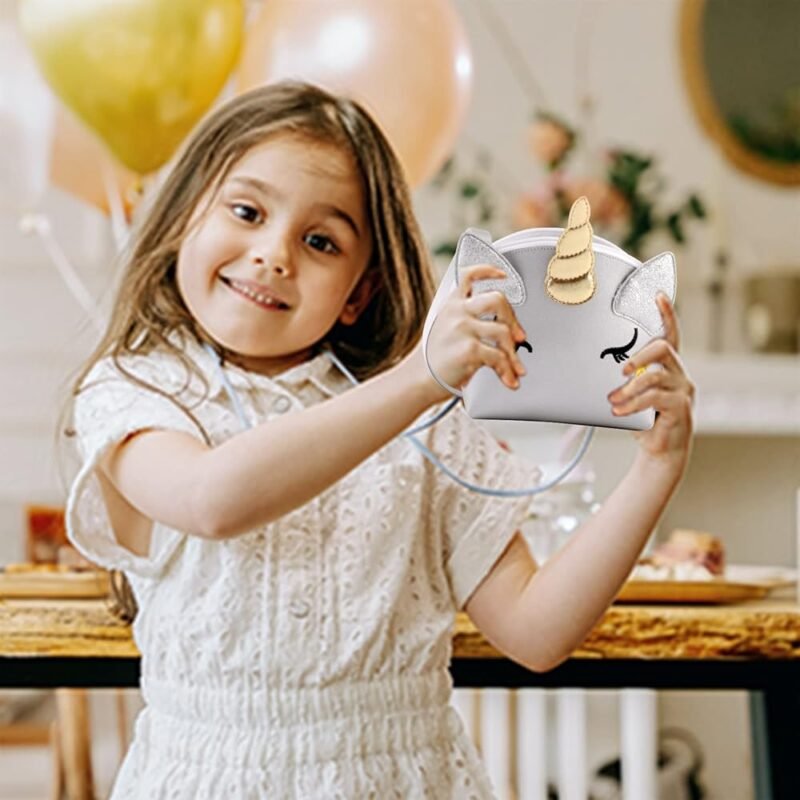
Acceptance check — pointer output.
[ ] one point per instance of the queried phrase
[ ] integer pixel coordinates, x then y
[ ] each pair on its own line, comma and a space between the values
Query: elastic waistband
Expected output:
285, 728
300, 706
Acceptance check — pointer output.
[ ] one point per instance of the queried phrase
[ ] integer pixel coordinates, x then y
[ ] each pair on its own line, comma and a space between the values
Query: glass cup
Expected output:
556, 514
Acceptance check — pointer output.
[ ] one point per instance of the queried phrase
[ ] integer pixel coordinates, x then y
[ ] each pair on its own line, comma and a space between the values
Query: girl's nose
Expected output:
272, 264
271, 255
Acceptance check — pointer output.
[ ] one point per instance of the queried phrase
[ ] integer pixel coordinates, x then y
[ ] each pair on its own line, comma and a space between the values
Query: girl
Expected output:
297, 565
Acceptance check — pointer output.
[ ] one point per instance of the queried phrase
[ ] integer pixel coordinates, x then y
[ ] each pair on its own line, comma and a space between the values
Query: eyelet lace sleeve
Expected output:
477, 527
108, 409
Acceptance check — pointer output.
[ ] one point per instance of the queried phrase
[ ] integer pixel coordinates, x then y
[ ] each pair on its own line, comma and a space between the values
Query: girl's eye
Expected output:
321, 243
246, 212
621, 353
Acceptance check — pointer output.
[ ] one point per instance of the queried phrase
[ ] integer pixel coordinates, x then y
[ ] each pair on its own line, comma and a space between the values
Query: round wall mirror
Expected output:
741, 65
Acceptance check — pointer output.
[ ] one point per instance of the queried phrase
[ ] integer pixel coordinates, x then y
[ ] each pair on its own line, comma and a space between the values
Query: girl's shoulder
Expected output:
163, 367
125, 392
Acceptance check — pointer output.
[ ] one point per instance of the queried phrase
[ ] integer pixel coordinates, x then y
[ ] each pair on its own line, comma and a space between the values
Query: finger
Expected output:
499, 333
662, 400
498, 360
658, 351
496, 304
479, 272
677, 382
670, 318
642, 383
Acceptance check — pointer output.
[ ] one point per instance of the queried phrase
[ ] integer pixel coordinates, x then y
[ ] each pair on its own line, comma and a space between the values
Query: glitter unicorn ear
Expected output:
475, 247
570, 273
635, 298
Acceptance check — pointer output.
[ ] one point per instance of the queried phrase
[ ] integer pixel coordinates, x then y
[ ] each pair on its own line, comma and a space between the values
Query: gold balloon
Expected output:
407, 61
140, 73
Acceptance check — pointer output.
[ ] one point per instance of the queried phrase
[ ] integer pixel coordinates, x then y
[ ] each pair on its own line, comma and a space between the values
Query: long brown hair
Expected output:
148, 306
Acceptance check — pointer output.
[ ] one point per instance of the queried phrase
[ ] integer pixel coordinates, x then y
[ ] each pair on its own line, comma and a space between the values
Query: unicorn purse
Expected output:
586, 306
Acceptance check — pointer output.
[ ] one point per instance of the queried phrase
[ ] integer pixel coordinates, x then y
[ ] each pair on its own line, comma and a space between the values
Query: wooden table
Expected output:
753, 646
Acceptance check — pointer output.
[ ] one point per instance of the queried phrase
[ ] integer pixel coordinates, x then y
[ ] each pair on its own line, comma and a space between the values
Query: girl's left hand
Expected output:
667, 388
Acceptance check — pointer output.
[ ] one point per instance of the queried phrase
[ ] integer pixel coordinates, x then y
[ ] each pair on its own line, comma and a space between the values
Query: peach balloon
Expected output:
77, 162
407, 61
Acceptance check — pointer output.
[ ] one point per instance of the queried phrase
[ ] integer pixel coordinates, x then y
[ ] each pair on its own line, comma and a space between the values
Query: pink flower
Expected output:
549, 141
608, 203
531, 212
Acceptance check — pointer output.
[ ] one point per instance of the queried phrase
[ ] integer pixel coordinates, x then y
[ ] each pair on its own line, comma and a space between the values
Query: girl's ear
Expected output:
359, 298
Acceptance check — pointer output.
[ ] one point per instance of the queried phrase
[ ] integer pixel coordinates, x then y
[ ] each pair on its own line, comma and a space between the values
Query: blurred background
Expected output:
679, 119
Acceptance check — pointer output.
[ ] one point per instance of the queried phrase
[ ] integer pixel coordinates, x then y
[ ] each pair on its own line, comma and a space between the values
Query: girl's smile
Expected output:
257, 293
276, 257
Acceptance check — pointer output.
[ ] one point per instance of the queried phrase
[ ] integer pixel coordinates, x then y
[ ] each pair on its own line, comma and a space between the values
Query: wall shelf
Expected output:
747, 394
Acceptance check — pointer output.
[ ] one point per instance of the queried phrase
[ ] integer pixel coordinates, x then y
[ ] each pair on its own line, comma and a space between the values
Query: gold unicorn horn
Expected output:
570, 273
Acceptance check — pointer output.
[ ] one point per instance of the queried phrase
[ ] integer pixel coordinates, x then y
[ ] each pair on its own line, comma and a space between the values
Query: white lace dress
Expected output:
307, 658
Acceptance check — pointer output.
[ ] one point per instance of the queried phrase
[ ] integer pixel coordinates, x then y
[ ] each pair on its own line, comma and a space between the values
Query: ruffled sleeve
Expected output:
477, 527
109, 408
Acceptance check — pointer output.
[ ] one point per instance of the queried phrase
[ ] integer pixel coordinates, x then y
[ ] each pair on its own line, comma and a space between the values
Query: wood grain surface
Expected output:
761, 629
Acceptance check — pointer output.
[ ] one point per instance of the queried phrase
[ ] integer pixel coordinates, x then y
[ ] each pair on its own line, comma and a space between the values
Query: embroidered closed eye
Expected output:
524, 344
621, 353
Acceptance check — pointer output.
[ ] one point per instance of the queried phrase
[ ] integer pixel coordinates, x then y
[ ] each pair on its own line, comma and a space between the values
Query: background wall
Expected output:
739, 487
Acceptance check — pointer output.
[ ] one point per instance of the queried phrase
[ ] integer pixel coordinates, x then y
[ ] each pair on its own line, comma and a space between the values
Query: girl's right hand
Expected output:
455, 347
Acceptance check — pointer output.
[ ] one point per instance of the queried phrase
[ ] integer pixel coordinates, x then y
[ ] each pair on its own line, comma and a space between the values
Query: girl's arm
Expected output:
268, 471
538, 617
273, 468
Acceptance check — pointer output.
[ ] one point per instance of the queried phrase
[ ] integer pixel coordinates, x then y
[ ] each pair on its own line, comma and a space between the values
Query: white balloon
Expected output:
26, 124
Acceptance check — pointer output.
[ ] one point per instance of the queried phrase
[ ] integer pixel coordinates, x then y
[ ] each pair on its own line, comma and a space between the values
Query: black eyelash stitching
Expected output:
524, 344
620, 353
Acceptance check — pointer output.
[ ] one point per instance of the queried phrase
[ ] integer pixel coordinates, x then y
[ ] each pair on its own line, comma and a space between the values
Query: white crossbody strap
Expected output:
446, 287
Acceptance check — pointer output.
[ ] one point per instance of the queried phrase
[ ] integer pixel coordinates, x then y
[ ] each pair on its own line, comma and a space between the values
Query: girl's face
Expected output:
277, 259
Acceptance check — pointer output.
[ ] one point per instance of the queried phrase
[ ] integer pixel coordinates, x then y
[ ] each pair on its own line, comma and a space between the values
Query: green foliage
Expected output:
636, 177
471, 188
633, 175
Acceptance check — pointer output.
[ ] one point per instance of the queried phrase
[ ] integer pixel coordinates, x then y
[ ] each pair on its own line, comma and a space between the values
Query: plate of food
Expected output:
690, 567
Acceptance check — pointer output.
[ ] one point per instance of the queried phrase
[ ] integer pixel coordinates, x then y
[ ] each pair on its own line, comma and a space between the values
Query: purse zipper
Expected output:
549, 238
